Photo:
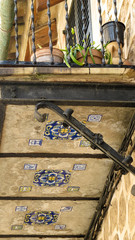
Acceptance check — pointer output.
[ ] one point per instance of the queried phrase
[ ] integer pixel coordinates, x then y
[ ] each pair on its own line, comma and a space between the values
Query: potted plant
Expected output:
78, 54
93, 54
44, 55
110, 40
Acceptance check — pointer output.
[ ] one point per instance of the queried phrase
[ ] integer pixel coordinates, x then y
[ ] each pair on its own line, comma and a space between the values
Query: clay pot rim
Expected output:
113, 22
46, 51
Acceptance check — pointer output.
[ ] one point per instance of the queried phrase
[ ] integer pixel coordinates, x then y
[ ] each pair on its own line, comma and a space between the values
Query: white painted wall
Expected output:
95, 22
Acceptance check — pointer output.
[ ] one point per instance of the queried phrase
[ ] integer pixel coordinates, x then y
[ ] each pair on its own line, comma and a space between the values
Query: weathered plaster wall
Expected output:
118, 224
79, 212
18, 176
16, 133
61, 23
119, 221
126, 14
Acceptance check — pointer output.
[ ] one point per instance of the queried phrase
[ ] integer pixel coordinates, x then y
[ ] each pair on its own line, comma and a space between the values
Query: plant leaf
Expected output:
75, 60
91, 56
66, 61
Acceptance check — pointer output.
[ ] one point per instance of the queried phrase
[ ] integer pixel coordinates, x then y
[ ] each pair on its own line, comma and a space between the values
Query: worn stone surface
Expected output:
133, 237
106, 228
131, 213
121, 213
127, 182
16, 134
85, 179
125, 236
81, 215
113, 216
116, 237
131, 53
19, 130
123, 12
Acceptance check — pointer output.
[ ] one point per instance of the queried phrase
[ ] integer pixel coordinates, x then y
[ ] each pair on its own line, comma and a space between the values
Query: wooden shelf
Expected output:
42, 4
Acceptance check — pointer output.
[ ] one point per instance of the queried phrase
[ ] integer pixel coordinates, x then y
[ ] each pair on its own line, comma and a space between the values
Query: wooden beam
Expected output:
11, 56
42, 4
27, 56
20, 30
42, 17
12, 48
25, 36
21, 5
41, 35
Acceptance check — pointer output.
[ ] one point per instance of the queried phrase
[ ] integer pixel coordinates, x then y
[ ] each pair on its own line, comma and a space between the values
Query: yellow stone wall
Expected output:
126, 14
118, 223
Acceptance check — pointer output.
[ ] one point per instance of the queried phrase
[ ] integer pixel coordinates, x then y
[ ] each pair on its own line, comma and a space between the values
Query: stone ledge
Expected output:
61, 74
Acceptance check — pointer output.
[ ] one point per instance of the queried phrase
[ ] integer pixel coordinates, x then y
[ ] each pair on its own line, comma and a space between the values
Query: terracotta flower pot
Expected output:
97, 55
44, 55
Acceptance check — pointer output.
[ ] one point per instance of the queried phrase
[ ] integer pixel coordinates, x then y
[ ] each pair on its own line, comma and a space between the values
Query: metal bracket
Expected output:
96, 140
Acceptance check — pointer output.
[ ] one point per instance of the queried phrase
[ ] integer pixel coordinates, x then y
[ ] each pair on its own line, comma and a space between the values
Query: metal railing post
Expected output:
50, 31
16, 31
33, 32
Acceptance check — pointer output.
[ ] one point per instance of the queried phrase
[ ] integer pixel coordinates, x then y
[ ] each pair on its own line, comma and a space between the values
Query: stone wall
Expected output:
118, 223
126, 14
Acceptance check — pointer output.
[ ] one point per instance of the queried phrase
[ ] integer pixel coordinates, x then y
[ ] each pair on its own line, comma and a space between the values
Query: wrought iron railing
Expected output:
67, 33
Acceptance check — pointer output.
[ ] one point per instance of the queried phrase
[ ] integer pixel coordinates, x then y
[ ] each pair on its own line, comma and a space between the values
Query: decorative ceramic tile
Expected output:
60, 227
55, 131
25, 188
35, 142
66, 209
85, 143
73, 189
79, 167
42, 217
94, 118
30, 166
51, 178
21, 209
16, 227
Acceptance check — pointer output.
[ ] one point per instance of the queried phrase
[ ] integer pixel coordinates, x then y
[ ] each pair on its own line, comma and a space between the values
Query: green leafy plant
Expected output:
107, 54
79, 48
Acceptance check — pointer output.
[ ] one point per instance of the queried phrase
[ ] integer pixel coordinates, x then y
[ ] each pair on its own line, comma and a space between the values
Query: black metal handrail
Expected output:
96, 140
